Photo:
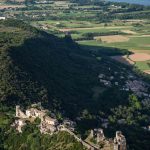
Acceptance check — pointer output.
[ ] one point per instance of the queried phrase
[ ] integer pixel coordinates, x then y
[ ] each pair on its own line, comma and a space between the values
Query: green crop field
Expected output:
143, 65
134, 43
88, 22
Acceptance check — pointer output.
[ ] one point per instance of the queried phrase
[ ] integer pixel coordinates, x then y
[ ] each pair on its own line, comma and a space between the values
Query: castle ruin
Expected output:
98, 134
119, 141
48, 124
19, 112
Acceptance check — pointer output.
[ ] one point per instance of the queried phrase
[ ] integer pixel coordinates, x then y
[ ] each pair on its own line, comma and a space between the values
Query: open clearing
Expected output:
135, 44
140, 60
143, 65
147, 71
141, 35
140, 51
139, 57
123, 59
131, 59
112, 38
128, 31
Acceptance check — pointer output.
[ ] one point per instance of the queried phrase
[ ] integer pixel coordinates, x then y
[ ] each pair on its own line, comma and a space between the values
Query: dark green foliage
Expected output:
38, 67
135, 113
31, 139
136, 116
134, 102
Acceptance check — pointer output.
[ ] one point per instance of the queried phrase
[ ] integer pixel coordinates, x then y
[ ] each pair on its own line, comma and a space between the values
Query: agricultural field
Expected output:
134, 40
132, 35
90, 24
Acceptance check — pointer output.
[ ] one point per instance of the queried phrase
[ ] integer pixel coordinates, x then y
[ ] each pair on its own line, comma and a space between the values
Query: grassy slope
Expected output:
143, 65
134, 43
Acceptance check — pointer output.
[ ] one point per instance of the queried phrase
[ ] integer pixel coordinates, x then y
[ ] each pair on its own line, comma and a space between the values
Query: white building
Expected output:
47, 128
33, 112
19, 124
98, 134
2, 18
50, 121
20, 113
48, 124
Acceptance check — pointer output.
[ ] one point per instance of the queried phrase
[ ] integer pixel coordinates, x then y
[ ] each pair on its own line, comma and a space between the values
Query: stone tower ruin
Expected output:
98, 134
120, 141
19, 113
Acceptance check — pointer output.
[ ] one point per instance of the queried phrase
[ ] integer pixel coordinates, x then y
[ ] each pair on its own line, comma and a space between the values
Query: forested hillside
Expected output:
36, 66
69, 80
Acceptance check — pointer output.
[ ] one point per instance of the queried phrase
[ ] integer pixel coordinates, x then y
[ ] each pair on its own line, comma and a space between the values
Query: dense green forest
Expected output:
39, 67
36, 66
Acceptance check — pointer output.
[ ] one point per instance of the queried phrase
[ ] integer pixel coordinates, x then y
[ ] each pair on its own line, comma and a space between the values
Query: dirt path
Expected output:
146, 35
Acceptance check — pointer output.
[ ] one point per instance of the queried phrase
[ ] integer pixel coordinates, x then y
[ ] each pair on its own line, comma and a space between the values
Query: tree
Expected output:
134, 102
23, 147
29, 2
37, 121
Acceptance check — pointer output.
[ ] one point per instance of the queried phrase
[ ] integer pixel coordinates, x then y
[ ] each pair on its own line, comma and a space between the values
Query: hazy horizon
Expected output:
142, 2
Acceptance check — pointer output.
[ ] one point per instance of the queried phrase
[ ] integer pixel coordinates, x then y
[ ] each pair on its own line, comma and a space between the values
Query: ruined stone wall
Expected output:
19, 113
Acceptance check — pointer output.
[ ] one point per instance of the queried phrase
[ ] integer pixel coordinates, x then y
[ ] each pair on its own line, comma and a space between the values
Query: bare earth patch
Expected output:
139, 57
112, 38
147, 71
147, 45
134, 20
145, 35
123, 59
131, 59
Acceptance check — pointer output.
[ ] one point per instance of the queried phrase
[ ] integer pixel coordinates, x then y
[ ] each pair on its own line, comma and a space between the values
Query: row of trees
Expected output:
135, 113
